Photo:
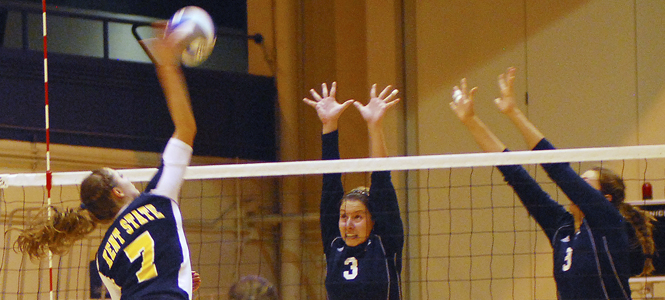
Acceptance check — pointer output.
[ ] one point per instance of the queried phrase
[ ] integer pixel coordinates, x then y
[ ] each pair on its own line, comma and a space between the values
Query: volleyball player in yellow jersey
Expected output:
144, 254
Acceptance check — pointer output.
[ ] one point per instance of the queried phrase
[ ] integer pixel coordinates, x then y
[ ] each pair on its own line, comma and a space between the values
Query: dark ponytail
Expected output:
612, 184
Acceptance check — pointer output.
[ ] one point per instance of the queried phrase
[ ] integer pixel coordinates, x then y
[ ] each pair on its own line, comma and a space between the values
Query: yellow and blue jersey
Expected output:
144, 253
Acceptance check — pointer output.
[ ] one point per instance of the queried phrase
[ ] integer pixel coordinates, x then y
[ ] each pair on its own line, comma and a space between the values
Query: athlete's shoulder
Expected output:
337, 242
563, 233
375, 240
149, 199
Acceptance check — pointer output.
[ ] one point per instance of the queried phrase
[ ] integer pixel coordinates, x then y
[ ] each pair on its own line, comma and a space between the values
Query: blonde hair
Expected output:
56, 233
62, 229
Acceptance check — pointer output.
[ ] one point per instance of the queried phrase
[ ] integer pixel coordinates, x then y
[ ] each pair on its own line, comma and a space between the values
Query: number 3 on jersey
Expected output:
353, 269
144, 246
568, 260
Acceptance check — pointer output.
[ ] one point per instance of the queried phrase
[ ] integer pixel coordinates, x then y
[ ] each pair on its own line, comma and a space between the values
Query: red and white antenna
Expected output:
48, 144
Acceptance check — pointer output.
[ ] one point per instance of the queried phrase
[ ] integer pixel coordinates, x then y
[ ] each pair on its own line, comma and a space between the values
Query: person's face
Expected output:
355, 222
591, 177
124, 188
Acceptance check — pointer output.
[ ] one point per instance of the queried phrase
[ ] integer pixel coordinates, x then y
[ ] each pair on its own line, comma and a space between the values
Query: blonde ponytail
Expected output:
57, 233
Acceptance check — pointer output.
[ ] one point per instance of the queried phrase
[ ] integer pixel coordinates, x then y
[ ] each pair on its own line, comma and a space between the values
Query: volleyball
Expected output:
194, 31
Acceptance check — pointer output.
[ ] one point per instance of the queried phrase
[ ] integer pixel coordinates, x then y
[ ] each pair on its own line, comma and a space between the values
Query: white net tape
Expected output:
363, 165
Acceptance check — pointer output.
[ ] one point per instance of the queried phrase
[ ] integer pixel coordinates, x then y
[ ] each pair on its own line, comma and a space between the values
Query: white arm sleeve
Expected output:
176, 156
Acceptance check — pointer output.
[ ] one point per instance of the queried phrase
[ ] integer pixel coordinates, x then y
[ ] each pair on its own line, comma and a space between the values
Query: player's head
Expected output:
612, 186
104, 192
608, 183
355, 217
253, 288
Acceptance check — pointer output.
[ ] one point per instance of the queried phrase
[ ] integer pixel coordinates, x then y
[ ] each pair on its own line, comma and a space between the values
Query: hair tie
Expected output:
83, 205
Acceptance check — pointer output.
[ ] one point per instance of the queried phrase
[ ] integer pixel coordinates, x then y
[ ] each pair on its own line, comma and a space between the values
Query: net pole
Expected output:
48, 144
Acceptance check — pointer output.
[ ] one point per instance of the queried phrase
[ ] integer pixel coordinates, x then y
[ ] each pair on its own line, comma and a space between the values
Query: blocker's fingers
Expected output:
391, 95
347, 103
324, 90
457, 95
333, 89
502, 82
315, 95
372, 91
472, 93
392, 103
358, 105
384, 92
511, 75
310, 102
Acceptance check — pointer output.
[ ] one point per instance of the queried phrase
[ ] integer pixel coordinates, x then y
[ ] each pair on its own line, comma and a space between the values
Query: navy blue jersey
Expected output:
144, 254
592, 263
370, 270
658, 212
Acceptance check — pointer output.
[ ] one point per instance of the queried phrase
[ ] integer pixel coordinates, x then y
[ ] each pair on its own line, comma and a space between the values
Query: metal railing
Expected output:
105, 18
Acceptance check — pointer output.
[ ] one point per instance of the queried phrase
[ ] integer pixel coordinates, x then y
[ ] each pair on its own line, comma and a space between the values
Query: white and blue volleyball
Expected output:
194, 31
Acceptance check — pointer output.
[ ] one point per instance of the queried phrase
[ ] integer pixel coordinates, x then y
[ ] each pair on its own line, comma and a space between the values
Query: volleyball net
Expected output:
467, 234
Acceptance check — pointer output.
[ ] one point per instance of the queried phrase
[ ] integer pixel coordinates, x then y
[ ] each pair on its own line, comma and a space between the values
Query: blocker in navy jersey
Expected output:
144, 254
592, 263
370, 270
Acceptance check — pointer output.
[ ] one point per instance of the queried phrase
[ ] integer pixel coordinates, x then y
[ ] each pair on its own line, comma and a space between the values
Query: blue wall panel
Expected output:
116, 104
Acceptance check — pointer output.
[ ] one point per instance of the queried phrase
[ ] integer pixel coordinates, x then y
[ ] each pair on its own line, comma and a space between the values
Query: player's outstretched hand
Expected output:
375, 110
160, 49
462, 103
506, 103
326, 105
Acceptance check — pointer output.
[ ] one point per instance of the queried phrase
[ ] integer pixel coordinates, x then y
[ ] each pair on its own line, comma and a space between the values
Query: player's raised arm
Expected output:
507, 105
462, 105
172, 80
327, 107
329, 111
373, 114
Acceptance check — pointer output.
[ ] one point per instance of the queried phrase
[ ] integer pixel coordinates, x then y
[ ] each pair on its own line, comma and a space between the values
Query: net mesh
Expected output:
467, 234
